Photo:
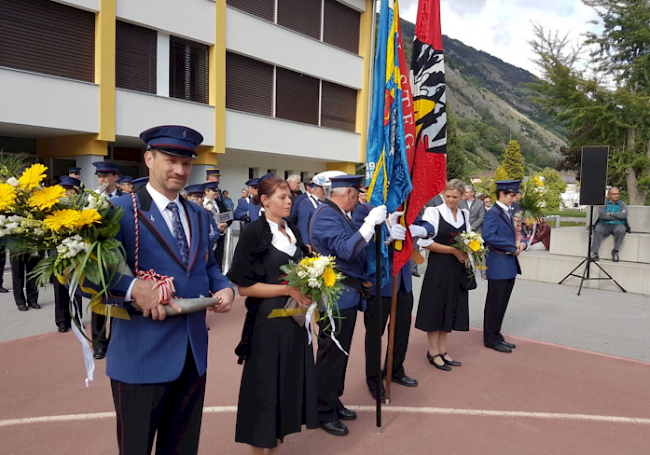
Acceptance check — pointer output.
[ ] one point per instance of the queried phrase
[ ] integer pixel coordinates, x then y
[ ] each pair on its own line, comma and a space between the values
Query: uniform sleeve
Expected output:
304, 215
330, 232
490, 226
241, 212
432, 217
419, 221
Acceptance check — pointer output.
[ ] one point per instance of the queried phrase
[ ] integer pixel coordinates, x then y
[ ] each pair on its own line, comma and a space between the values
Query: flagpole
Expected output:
391, 337
379, 318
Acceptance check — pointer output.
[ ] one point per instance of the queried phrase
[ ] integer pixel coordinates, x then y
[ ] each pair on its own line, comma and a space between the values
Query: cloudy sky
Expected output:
504, 27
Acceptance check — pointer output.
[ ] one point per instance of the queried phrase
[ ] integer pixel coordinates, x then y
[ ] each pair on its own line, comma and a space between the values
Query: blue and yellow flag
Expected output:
387, 171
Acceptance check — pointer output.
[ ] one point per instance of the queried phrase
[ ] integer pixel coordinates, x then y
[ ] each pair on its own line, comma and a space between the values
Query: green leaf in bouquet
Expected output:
110, 256
43, 271
93, 273
111, 244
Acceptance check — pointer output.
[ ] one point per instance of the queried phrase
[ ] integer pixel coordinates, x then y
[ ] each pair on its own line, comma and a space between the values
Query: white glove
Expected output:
397, 232
418, 231
375, 217
393, 218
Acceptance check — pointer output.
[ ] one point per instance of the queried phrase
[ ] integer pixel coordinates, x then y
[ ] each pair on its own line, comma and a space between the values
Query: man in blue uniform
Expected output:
404, 308
157, 365
126, 183
502, 264
332, 233
140, 182
196, 193
306, 207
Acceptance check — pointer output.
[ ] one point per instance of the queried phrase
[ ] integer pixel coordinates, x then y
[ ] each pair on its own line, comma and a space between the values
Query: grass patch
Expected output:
568, 224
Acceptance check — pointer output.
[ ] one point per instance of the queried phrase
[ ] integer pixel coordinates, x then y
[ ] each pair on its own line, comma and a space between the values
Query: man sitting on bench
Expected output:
612, 220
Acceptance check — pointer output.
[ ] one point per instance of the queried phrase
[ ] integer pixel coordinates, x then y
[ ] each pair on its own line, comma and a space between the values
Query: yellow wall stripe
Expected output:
348, 168
105, 68
69, 146
218, 77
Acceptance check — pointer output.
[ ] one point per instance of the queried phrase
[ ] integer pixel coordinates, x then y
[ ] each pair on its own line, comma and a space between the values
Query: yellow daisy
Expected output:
47, 197
329, 278
7, 196
88, 217
60, 219
32, 177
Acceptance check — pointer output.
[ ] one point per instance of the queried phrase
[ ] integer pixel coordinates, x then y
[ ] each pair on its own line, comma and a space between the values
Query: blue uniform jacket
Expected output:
305, 211
241, 212
144, 351
499, 235
404, 277
333, 234
294, 210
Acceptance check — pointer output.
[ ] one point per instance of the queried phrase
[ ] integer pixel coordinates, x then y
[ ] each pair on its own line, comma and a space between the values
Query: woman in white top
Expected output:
443, 303
278, 388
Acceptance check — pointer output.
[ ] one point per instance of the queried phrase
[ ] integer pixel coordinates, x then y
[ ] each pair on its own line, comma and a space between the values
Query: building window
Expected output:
302, 16
135, 57
338, 107
188, 70
249, 85
251, 173
47, 37
297, 97
341, 26
261, 8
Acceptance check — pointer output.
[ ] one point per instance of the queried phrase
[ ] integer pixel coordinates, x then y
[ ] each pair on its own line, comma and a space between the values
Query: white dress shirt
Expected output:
505, 208
432, 216
280, 241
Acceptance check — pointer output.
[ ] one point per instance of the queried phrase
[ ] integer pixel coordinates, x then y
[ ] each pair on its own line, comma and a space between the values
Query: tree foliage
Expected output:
554, 185
513, 162
456, 159
606, 100
499, 174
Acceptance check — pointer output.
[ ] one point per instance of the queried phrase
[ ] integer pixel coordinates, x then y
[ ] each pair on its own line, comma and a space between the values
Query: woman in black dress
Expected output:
278, 387
443, 303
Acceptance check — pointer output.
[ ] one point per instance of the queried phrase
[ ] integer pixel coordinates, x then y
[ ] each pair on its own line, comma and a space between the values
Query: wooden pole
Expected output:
391, 337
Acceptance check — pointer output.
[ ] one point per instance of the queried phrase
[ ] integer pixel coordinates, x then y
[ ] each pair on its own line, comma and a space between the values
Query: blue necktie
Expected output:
178, 232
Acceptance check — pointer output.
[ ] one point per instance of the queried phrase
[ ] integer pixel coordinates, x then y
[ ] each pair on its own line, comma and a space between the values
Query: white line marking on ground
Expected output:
391, 409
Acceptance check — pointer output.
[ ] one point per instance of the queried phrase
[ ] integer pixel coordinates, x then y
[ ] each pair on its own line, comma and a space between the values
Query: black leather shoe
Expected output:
614, 256
35, 305
451, 363
442, 367
335, 427
99, 354
509, 345
500, 347
22, 307
62, 327
3, 290
346, 414
406, 381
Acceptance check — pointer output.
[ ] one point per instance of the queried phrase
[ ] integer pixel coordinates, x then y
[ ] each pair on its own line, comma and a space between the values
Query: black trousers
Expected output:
331, 365
62, 304
172, 409
3, 259
20, 267
373, 338
218, 252
496, 303
98, 330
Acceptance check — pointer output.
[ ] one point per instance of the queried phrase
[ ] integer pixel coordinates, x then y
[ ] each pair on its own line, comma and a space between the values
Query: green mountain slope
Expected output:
493, 103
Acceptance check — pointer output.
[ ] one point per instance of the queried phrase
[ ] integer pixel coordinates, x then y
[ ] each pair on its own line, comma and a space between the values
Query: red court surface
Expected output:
541, 399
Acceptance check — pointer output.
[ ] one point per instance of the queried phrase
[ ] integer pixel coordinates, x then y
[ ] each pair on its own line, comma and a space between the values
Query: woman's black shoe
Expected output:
451, 363
442, 367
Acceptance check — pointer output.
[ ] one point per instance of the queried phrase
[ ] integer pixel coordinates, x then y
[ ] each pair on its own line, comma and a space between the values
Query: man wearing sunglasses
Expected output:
612, 220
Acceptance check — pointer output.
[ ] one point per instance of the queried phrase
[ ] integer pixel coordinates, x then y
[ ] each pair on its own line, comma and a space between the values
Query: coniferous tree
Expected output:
513, 162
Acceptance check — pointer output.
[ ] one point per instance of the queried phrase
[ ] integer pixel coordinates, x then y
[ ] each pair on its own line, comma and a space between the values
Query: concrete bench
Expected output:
573, 242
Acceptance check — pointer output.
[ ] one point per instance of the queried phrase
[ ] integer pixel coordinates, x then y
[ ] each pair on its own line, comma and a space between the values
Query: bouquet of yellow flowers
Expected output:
315, 277
472, 244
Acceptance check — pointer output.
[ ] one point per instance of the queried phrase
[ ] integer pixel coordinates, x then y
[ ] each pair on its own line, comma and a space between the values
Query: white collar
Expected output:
160, 199
504, 207
280, 241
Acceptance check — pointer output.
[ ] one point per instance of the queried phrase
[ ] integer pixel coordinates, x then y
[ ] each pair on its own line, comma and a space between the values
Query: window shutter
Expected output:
47, 37
302, 16
260, 8
135, 57
338, 107
341, 26
296, 97
249, 85
188, 70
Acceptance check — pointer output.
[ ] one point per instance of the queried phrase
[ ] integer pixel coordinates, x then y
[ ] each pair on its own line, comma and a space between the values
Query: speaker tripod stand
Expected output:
588, 261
